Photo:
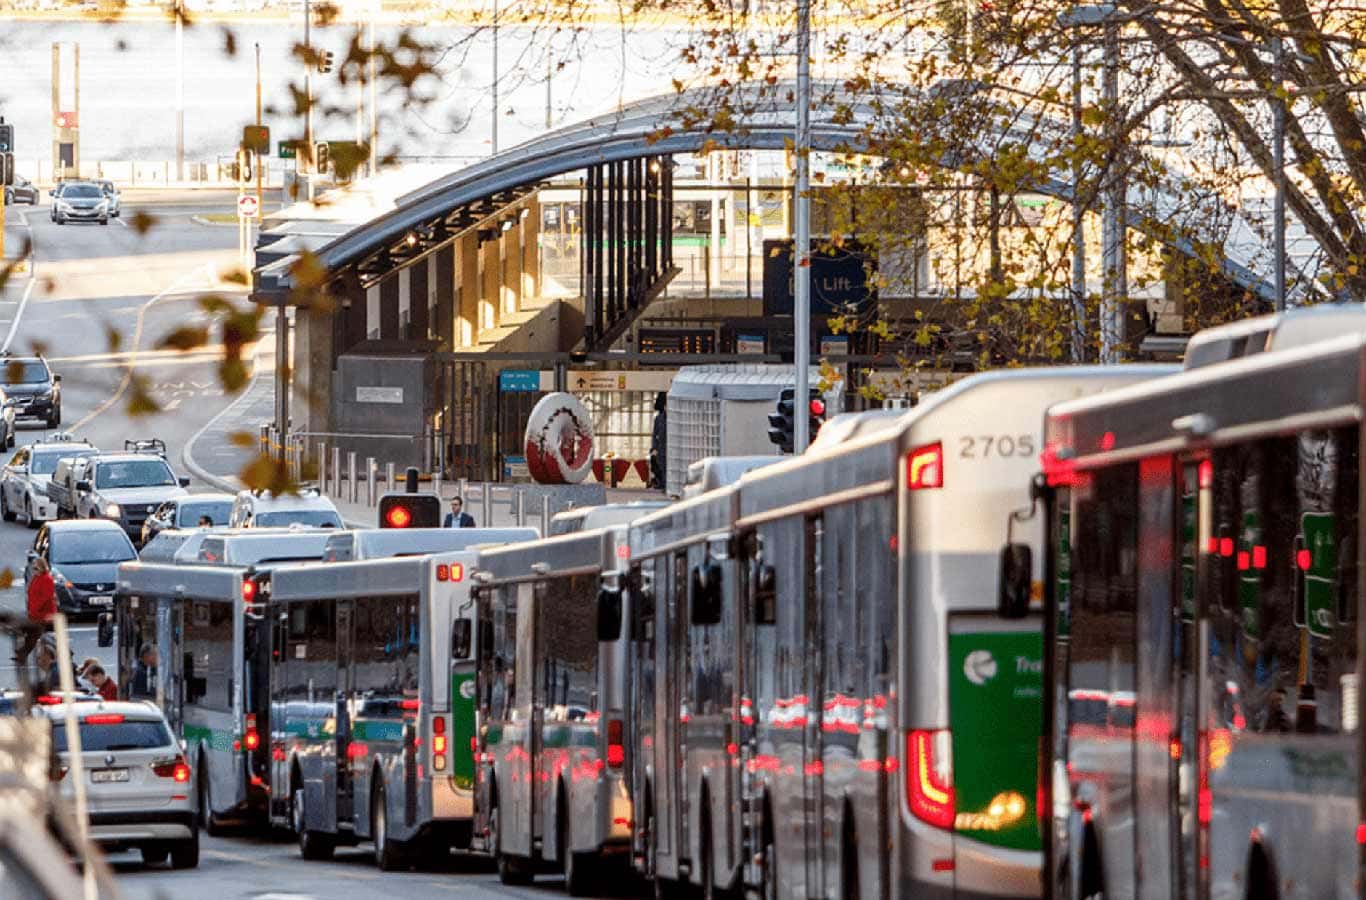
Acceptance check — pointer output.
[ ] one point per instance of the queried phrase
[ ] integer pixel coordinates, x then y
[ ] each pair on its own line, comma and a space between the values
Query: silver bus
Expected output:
840, 682
1204, 569
213, 662
551, 791
372, 705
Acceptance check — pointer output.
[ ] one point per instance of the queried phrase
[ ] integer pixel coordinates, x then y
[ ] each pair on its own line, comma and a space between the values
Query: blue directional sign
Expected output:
519, 380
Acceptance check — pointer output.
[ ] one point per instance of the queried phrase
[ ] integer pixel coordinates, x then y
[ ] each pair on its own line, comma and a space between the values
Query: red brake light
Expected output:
1206, 473
1107, 441
47, 700
925, 467
443, 572
929, 776
616, 752
1226, 546
251, 740
1244, 560
410, 704
398, 517
438, 725
248, 591
1259, 557
104, 719
172, 768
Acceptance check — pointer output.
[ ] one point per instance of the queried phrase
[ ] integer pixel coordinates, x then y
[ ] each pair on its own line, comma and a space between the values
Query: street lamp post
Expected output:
1278, 165
801, 251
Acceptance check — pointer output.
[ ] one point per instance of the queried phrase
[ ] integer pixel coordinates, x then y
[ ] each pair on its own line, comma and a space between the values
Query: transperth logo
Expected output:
979, 666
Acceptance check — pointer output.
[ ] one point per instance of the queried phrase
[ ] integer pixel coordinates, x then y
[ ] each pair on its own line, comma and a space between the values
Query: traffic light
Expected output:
325, 58
242, 166
6, 169
322, 155
6, 138
409, 511
256, 138
782, 422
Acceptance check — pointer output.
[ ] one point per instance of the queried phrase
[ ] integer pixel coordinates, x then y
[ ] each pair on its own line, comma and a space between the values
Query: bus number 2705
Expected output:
988, 445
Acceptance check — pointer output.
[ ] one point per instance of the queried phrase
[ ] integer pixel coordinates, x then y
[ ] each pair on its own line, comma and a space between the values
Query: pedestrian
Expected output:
457, 517
659, 442
143, 685
48, 678
102, 683
42, 603
205, 522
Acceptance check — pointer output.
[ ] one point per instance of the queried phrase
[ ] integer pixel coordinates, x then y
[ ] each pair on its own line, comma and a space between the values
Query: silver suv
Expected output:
137, 781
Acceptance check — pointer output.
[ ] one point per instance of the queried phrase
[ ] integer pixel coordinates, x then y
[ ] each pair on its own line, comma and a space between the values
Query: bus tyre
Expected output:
580, 877
313, 845
511, 871
388, 853
185, 854
154, 854
206, 818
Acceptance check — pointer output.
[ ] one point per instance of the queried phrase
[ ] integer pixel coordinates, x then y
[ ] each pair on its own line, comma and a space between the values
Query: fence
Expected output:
155, 172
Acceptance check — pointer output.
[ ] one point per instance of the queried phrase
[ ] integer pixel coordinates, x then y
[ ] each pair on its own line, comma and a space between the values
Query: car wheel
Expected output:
5, 512
388, 853
104, 220
28, 514
313, 845
56, 418
154, 854
185, 854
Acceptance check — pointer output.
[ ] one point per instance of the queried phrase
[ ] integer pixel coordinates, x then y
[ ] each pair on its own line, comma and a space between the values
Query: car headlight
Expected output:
113, 511
63, 206
103, 204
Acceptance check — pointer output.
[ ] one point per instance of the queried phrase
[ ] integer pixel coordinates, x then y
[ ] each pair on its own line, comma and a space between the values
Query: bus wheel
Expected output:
511, 871
313, 845
1092, 870
580, 877
206, 817
388, 853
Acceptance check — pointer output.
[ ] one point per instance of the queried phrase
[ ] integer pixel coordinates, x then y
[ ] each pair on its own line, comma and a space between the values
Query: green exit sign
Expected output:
286, 149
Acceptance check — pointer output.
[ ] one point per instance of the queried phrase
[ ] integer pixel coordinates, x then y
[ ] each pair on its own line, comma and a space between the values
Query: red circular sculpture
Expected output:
559, 440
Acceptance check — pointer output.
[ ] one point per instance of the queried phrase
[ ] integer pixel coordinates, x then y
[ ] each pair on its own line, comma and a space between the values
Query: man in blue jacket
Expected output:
457, 518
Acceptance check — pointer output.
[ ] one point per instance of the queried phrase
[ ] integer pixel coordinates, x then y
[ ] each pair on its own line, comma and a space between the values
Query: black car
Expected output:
79, 201
22, 191
84, 556
33, 387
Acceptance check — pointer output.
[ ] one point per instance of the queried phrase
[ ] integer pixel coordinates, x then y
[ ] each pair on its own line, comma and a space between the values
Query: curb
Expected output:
200, 220
227, 484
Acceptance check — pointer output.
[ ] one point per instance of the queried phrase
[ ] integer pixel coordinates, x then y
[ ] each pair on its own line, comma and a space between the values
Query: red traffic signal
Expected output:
817, 406
409, 511
256, 138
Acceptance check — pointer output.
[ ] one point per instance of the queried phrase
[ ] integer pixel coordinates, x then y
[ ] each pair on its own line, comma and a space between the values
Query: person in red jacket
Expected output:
42, 602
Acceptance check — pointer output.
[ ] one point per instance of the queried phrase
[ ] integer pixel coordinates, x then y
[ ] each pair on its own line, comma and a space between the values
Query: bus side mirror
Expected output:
105, 636
461, 633
1016, 580
706, 593
765, 596
609, 615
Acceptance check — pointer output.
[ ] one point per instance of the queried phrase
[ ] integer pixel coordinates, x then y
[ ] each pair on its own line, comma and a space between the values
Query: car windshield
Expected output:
114, 732
316, 517
46, 463
107, 187
217, 511
21, 372
81, 192
134, 473
91, 547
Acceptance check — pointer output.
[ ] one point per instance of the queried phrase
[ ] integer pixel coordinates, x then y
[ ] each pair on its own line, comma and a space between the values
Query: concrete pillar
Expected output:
467, 292
311, 406
512, 269
490, 310
372, 311
531, 252
388, 306
405, 301
442, 281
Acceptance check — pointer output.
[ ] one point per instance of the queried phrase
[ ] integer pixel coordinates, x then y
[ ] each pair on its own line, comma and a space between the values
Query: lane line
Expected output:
127, 378
119, 220
19, 313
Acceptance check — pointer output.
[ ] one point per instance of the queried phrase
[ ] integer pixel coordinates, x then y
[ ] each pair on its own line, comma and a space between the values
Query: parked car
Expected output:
25, 478
137, 780
85, 558
33, 387
62, 488
261, 509
185, 512
127, 488
79, 201
22, 191
111, 193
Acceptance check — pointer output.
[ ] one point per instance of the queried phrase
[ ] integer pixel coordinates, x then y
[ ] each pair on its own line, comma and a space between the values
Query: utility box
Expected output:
382, 407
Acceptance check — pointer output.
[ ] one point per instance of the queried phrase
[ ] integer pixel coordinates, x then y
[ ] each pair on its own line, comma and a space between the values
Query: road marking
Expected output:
18, 314
119, 220
173, 404
127, 378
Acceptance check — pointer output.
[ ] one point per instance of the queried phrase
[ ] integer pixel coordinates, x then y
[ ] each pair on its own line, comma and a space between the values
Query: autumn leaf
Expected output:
141, 221
187, 337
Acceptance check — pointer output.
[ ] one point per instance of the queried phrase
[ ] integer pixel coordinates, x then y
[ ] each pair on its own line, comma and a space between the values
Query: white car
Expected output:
24, 479
138, 783
262, 509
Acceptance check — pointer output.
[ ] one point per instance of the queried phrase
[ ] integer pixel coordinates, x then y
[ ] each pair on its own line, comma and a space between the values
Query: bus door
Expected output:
345, 793
754, 679
517, 799
641, 705
673, 808
171, 635
810, 706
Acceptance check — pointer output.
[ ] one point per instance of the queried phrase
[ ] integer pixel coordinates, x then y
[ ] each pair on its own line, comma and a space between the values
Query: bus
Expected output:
551, 786
840, 673
1203, 570
372, 705
213, 662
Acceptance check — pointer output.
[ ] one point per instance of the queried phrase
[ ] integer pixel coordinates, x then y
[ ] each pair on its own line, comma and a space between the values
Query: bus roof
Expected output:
717, 471
257, 546
1278, 331
601, 548
377, 543
189, 582
361, 578
1210, 405
588, 518
689, 520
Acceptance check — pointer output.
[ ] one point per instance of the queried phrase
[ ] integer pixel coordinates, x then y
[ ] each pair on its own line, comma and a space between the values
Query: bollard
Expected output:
353, 482
410, 480
463, 491
263, 440
545, 516
371, 477
488, 505
388, 477
521, 507
436, 483
336, 474
322, 466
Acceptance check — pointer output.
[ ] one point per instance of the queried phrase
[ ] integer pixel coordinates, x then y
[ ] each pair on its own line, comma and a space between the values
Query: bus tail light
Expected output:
616, 749
248, 590
251, 739
929, 776
925, 467
439, 743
